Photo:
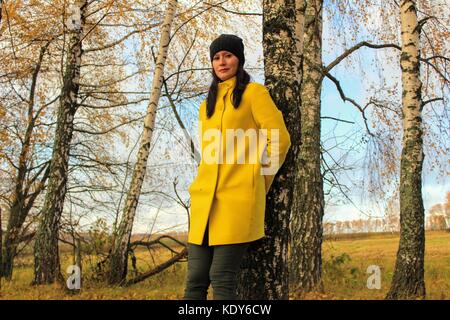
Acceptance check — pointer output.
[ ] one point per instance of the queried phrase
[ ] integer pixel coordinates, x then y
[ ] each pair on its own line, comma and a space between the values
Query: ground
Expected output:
345, 263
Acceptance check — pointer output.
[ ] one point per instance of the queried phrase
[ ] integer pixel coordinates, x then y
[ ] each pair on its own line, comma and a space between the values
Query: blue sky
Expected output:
332, 105
355, 85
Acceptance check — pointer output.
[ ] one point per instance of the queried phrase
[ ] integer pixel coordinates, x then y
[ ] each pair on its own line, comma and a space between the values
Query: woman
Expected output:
228, 196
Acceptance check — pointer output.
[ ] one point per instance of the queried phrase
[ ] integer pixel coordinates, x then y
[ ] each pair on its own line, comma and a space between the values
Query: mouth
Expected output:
223, 70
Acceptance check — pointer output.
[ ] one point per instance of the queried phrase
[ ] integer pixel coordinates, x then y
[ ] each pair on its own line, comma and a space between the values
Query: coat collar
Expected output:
229, 83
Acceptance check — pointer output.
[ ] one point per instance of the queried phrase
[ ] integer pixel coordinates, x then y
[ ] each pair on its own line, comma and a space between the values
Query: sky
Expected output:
433, 189
158, 217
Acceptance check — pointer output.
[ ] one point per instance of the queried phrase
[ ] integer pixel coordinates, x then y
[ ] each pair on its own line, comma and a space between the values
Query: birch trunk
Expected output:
265, 269
408, 280
119, 251
308, 200
46, 256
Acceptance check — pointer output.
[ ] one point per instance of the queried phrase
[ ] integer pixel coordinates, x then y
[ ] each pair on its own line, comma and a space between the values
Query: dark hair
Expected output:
242, 78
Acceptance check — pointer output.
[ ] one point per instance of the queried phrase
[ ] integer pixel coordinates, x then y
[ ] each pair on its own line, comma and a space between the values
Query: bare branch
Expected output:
346, 121
236, 12
429, 101
117, 42
427, 61
356, 47
158, 269
110, 129
345, 98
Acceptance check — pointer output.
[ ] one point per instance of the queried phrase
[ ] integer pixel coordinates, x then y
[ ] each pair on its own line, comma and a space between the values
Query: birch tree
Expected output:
119, 250
265, 268
408, 280
46, 255
308, 200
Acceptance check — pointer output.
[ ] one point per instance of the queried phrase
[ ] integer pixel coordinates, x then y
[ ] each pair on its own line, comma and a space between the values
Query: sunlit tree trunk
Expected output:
408, 280
265, 268
308, 200
119, 251
46, 256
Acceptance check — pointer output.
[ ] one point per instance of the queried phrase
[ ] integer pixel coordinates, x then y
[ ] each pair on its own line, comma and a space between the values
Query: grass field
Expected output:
345, 263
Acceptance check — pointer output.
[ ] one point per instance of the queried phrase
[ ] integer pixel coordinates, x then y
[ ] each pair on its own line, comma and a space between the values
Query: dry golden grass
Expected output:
381, 250
344, 273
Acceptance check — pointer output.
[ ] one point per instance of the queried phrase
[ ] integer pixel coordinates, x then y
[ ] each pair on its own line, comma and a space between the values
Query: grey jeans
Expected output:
216, 265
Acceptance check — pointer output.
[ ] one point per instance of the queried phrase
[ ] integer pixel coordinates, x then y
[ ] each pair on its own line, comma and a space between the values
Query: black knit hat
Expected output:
228, 42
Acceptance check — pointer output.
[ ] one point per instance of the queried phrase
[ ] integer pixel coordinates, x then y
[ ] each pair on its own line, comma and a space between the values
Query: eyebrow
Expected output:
217, 54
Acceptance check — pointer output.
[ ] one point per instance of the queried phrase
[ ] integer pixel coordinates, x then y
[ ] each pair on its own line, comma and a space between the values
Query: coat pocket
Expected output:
197, 184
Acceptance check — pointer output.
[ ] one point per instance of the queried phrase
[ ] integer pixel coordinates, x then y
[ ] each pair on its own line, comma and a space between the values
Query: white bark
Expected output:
123, 234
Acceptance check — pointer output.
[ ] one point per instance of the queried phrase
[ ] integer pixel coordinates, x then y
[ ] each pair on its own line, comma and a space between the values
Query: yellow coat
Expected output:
233, 195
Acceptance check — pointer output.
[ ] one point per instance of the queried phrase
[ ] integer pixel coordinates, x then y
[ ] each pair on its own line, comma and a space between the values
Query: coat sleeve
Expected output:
268, 116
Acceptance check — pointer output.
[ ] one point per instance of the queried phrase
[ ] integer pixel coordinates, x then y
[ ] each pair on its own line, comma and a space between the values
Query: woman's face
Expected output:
225, 64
